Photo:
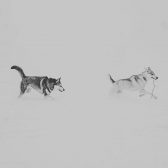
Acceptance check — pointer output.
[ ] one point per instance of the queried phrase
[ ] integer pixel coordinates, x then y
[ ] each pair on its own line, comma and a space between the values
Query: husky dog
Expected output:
135, 82
43, 84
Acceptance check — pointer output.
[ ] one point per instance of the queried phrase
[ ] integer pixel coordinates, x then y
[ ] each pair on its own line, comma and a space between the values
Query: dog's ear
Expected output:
59, 79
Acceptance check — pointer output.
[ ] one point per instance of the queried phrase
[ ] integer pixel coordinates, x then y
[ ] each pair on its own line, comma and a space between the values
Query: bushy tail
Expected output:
112, 80
20, 70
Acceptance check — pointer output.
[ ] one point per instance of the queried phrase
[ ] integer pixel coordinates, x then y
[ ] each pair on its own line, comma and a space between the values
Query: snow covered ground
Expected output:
86, 126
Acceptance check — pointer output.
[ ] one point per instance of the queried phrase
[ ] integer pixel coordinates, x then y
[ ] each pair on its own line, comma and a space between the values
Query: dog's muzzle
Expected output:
61, 89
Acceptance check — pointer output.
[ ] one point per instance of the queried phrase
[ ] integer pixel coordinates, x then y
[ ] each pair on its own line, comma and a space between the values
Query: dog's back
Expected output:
135, 82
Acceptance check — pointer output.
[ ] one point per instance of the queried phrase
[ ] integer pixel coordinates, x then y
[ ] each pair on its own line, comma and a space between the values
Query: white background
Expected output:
86, 126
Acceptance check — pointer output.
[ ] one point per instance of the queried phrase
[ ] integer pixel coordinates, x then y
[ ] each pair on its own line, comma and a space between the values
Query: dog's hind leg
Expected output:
23, 88
28, 90
141, 93
116, 89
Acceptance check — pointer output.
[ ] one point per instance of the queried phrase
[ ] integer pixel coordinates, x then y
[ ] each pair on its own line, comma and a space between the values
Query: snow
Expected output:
87, 125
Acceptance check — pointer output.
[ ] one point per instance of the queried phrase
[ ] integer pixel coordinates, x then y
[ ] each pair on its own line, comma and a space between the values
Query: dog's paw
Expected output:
153, 96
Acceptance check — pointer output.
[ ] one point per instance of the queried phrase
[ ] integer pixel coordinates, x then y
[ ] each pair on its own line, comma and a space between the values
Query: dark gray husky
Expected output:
42, 84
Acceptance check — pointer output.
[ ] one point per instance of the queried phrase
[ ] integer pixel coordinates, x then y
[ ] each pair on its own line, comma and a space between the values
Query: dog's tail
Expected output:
112, 80
20, 70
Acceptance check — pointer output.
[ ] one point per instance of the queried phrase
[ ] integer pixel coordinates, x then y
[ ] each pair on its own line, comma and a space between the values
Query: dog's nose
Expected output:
157, 77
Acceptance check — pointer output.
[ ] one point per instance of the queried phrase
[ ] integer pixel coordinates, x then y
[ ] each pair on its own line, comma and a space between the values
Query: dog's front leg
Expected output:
47, 95
144, 92
44, 92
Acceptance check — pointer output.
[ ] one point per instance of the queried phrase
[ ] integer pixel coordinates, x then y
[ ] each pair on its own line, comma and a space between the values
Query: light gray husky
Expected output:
135, 82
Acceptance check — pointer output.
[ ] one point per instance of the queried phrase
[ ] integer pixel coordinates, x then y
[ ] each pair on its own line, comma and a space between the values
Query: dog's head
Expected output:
150, 74
59, 84
55, 82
